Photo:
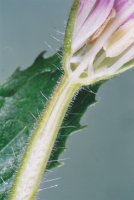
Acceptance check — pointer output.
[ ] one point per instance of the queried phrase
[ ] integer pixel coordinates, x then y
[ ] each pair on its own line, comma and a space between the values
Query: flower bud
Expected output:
101, 39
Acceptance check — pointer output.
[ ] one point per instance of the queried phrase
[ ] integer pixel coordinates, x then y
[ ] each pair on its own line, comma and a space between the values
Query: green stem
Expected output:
41, 143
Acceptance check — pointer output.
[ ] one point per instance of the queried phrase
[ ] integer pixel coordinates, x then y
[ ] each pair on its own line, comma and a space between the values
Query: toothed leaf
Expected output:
22, 99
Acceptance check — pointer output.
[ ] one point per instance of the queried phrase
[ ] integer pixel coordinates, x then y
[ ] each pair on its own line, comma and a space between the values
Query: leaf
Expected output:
22, 99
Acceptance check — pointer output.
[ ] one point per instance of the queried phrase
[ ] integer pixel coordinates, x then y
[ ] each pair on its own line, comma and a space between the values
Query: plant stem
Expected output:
41, 143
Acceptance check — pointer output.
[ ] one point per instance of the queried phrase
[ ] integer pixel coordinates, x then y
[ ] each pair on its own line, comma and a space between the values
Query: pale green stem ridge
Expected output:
39, 149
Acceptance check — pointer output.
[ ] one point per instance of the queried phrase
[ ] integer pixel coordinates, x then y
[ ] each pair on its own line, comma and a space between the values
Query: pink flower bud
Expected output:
90, 17
102, 39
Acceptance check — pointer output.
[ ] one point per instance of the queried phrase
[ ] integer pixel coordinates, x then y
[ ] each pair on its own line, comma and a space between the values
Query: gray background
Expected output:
100, 159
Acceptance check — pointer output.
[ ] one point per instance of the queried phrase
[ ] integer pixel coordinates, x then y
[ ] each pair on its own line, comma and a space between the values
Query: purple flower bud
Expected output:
102, 40
91, 16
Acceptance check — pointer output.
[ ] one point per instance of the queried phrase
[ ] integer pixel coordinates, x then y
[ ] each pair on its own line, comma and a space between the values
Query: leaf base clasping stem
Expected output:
95, 49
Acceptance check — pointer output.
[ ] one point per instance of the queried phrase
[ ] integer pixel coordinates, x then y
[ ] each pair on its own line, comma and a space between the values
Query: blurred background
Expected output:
99, 161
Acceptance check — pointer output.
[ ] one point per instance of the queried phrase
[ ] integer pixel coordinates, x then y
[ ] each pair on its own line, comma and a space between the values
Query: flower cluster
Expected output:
103, 38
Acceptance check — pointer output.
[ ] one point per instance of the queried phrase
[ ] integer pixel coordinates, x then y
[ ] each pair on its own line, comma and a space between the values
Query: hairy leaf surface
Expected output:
22, 99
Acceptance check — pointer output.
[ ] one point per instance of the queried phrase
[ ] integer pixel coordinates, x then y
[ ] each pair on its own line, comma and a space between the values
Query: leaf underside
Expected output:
22, 99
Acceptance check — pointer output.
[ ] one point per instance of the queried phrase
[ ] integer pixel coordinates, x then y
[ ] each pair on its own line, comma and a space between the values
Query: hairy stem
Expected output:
41, 143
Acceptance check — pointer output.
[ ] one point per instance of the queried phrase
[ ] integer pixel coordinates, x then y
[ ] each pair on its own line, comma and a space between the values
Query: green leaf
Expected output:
22, 99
